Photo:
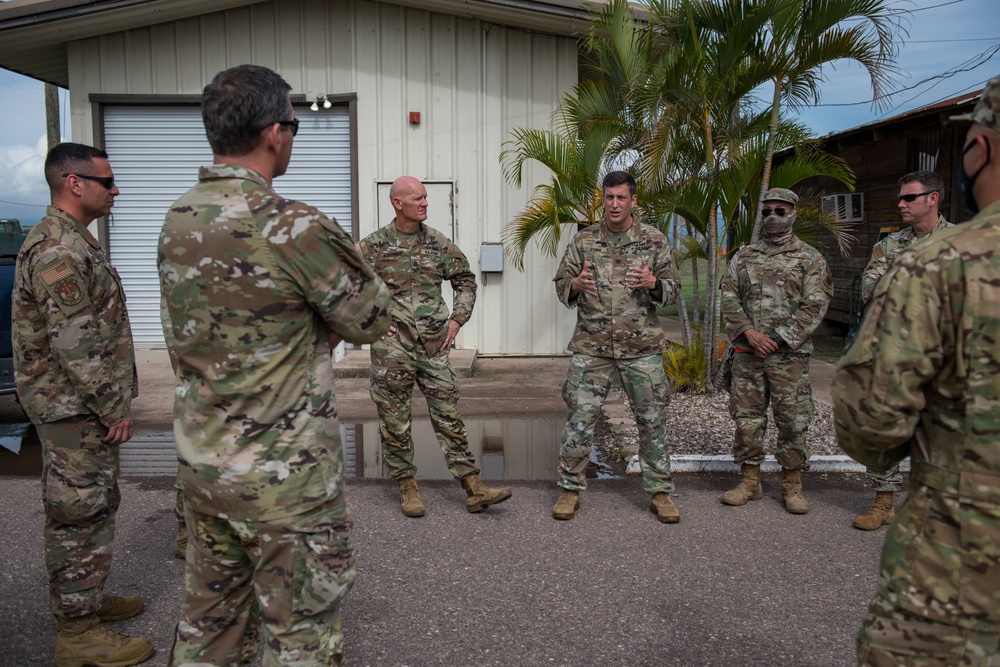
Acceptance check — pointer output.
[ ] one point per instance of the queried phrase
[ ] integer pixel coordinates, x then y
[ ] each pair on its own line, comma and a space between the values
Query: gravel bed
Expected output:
698, 424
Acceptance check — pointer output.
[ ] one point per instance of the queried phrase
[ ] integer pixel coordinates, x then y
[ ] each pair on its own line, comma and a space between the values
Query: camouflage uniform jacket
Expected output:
921, 380
619, 323
72, 341
776, 288
253, 285
414, 273
884, 253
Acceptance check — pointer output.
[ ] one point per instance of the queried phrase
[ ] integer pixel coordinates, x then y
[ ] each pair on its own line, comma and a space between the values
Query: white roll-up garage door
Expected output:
156, 151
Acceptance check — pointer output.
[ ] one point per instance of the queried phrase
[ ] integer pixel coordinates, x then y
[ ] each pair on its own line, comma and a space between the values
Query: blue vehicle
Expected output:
11, 238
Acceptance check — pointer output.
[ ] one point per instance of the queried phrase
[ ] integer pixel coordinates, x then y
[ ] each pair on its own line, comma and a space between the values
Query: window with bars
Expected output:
923, 149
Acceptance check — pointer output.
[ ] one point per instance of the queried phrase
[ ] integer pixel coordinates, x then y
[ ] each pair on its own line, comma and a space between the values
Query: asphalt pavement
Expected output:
748, 585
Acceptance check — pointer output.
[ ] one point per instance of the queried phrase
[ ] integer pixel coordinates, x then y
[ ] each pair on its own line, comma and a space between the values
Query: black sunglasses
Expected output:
910, 198
107, 181
293, 123
779, 211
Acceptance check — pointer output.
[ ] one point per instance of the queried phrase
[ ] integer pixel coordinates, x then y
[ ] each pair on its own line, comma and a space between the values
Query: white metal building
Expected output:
428, 88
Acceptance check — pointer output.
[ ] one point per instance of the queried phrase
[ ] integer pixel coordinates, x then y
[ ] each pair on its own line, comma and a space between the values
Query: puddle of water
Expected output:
506, 448
511, 448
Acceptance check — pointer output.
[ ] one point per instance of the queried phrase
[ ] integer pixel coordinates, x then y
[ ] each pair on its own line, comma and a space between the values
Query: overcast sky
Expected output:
945, 36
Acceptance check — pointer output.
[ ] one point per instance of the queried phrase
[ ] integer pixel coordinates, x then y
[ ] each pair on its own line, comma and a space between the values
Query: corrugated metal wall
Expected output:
471, 82
156, 151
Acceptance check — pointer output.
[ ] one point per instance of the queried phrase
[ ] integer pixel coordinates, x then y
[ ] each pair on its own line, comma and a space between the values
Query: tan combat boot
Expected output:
114, 608
566, 506
748, 489
664, 508
410, 500
181, 543
480, 495
85, 641
791, 491
880, 514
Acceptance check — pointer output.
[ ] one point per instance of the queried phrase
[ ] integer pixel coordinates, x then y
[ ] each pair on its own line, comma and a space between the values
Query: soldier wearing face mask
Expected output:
774, 295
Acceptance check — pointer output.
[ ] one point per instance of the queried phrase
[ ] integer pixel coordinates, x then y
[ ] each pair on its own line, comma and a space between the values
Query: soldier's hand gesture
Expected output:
640, 277
584, 282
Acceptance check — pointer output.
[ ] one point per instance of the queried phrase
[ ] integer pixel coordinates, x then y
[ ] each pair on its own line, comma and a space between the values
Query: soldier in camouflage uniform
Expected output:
920, 379
919, 195
74, 368
616, 274
774, 295
258, 290
414, 260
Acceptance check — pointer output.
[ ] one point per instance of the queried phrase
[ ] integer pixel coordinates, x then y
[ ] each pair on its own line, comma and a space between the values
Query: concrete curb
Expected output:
724, 463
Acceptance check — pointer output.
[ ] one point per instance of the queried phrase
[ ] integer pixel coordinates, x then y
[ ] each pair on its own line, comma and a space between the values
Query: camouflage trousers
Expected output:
781, 380
298, 570
891, 480
584, 391
80, 495
890, 637
394, 371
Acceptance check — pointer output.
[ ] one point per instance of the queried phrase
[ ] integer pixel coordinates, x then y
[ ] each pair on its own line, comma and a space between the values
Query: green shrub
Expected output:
685, 368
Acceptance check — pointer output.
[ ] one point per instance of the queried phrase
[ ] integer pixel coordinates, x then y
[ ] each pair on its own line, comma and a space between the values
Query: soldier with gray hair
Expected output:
74, 367
415, 259
920, 379
774, 295
920, 194
258, 289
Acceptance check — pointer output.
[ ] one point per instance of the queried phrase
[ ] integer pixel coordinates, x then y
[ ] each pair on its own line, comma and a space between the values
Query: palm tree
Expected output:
705, 76
668, 99
805, 35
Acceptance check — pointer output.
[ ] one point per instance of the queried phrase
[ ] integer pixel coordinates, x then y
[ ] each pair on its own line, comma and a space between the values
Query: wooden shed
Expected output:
880, 153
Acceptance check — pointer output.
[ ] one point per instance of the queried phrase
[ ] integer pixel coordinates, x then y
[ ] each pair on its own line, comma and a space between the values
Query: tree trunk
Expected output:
765, 176
52, 115
681, 305
708, 334
694, 279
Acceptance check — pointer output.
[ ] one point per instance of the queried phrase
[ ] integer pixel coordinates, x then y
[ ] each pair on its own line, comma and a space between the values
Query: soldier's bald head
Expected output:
403, 185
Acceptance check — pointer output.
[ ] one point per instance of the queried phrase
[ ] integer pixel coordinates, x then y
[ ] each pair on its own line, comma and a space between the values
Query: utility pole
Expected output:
52, 115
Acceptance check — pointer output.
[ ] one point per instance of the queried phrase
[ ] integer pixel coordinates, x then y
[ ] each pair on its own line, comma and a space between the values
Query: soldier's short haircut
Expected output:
239, 104
66, 158
616, 178
929, 180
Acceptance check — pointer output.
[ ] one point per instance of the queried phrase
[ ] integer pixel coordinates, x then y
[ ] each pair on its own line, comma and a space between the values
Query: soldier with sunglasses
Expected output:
258, 290
920, 380
920, 194
774, 295
74, 367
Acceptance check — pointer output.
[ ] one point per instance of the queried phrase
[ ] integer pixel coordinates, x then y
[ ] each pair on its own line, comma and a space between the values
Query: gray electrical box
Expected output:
491, 258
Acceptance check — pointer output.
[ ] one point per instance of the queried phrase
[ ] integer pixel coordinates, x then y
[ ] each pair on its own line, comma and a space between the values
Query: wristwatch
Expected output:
658, 285
775, 337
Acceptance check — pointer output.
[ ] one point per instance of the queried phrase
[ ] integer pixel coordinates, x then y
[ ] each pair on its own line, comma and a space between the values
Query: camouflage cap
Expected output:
985, 111
782, 194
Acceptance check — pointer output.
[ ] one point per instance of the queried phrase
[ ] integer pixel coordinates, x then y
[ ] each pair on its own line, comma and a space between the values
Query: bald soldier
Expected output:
414, 260
920, 379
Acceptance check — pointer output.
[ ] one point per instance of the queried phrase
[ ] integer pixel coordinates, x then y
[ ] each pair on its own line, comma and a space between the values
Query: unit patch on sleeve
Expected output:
65, 286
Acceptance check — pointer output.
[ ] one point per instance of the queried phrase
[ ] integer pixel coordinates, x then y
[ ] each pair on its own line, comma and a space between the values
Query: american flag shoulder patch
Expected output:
54, 274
